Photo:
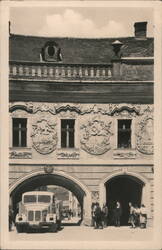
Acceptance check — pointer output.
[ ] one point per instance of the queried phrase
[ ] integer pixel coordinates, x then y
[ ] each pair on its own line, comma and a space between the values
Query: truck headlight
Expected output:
20, 218
51, 217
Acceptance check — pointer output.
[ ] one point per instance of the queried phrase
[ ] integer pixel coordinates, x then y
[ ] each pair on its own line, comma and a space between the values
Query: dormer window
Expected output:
51, 52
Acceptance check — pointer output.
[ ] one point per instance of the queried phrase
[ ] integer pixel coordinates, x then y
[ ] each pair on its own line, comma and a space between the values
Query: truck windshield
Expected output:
44, 198
30, 198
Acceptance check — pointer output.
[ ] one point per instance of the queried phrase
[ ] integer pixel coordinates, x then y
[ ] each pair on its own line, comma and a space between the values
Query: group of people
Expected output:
102, 217
137, 216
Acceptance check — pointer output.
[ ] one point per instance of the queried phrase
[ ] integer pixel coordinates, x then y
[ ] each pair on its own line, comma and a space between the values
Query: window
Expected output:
19, 132
51, 50
124, 133
67, 133
30, 198
44, 198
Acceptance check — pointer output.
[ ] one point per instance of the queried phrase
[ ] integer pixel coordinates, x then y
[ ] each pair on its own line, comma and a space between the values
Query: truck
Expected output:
38, 209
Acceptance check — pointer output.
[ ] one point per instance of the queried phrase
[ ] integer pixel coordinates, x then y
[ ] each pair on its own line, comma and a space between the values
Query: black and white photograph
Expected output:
82, 115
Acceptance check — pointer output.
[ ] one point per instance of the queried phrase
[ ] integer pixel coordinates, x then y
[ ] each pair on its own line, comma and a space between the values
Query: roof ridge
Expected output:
79, 38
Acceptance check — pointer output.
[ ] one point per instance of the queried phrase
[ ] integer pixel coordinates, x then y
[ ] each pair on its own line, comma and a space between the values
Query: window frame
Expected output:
74, 134
129, 130
26, 130
132, 132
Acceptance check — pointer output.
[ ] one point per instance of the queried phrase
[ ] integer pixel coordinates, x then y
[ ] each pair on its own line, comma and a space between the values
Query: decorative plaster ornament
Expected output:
95, 196
95, 137
144, 140
48, 169
44, 136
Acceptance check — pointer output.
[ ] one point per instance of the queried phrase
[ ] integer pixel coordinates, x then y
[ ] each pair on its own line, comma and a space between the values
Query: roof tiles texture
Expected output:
78, 50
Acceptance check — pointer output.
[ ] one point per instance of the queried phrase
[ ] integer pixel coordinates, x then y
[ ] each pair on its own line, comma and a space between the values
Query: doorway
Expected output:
125, 189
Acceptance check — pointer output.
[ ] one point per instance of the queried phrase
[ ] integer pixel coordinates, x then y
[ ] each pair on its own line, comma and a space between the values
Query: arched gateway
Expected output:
125, 187
35, 179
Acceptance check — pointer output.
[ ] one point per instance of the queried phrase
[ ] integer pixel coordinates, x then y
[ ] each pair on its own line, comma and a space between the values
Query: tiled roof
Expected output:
78, 50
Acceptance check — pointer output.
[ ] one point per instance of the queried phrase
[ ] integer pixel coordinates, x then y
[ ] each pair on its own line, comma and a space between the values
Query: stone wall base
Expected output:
87, 221
150, 222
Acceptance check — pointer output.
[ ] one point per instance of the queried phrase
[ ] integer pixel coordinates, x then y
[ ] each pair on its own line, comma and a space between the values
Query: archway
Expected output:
36, 179
125, 189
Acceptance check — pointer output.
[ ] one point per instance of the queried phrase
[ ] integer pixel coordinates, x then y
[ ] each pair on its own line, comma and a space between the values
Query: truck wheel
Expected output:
53, 228
59, 225
19, 228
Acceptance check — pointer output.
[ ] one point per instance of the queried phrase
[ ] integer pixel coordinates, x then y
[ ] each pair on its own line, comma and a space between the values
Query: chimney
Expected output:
140, 30
117, 48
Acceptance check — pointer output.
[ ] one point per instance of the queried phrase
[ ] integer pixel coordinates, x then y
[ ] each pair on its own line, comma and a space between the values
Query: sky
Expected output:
87, 22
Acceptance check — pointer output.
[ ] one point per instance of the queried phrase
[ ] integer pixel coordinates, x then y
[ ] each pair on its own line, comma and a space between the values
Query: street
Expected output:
84, 233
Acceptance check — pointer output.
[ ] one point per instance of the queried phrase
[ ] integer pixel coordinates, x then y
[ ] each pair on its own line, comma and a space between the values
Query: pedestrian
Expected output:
93, 208
143, 216
98, 217
111, 209
11, 218
105, 215
117, 214
131, 216
137, 215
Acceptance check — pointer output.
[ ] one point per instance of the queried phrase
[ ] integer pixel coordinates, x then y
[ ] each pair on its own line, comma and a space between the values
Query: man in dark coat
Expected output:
98, 217
117, 214
105, 215
11, 218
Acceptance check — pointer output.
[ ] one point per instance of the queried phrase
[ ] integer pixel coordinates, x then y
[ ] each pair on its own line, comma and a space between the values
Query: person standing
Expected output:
143, 216
11, 218
105, 215
137, 215
131, 216
93, 214
117, 214
98, 217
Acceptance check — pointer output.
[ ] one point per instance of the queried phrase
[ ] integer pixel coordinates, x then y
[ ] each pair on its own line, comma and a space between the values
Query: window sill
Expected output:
70, 149
20, 148
131, 149
124, 153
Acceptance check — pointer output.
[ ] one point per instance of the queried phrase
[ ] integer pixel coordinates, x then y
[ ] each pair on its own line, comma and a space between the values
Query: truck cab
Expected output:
38, 209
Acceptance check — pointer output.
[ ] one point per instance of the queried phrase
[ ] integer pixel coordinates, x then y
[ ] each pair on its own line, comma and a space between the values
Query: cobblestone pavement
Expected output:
84, 233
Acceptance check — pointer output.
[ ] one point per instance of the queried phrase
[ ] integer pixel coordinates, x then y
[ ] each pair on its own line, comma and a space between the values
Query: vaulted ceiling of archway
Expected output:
47, 179
126, 177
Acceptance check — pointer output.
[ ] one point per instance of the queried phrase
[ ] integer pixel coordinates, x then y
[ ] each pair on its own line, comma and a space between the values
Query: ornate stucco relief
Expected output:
44, 135
95, 196
68, 154
124, 154
16, 154
95, 136
144, 134
104, 109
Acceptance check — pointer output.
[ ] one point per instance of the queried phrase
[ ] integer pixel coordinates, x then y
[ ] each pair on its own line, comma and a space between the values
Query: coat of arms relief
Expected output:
44, 136
95, 136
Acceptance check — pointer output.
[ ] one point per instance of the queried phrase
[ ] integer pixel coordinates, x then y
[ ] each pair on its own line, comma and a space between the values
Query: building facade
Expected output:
81, 117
